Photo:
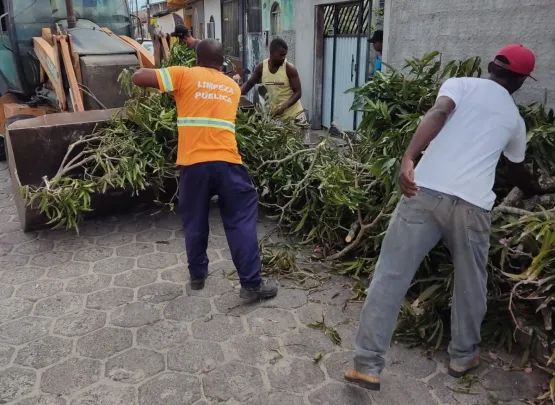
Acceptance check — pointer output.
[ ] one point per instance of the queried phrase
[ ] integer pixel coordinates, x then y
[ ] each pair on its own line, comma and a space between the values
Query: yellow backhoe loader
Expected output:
59, 65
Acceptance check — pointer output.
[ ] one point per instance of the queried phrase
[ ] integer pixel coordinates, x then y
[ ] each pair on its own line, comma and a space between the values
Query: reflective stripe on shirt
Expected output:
205, 122
166, 80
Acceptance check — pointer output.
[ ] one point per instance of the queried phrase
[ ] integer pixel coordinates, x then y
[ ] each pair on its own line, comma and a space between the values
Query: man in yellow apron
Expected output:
282, 82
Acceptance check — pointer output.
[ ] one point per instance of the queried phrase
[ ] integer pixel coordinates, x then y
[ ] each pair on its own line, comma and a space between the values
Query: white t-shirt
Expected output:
461, 160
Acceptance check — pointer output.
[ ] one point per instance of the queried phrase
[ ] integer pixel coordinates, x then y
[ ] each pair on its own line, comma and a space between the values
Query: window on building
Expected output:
230, 27
211, 28
254, 16
275, 19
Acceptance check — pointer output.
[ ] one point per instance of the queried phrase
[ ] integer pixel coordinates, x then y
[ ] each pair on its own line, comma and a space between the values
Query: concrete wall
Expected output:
304, 22
197, 11
287, 13
466, 28
212, 8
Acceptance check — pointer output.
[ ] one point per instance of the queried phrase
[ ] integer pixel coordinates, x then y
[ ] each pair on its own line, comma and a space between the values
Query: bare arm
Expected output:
429, 128
145, 78
255, 78
523, 179
432, 123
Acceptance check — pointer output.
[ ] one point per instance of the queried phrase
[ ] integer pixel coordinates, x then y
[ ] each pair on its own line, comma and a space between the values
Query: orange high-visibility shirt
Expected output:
207, 102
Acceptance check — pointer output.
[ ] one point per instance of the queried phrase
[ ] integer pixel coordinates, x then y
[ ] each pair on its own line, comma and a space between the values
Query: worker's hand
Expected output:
406, 178
278, 112
237, 78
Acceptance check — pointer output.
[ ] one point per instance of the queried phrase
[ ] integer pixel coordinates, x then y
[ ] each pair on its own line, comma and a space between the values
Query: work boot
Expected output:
364, 380
197, 283
458, 371
266, 289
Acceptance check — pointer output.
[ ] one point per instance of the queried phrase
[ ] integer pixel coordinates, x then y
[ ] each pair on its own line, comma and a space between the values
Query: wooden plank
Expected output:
76, 98
165, 47
157, 50
145, 58
76, 62
49, 60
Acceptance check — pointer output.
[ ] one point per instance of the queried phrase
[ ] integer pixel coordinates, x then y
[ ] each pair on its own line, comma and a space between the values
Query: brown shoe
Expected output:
364, 380
460, 371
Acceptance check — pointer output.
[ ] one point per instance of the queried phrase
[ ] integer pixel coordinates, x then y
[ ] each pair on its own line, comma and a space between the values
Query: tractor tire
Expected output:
11, 120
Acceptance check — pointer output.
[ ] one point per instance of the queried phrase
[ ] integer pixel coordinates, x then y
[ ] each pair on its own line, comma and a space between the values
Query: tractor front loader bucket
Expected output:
36, 148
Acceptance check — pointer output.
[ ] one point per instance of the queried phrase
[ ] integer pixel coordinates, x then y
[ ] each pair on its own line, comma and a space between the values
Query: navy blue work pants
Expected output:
238, 203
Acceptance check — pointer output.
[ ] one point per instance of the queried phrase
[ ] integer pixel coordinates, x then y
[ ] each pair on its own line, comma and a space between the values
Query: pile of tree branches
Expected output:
339, 198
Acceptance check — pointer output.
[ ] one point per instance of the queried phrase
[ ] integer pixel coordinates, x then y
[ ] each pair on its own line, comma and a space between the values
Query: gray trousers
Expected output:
416, 226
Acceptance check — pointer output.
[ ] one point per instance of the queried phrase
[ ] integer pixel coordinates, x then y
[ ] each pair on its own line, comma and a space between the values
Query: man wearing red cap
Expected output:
448, 196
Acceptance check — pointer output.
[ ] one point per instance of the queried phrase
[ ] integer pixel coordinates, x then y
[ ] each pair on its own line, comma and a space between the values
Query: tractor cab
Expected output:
22, 20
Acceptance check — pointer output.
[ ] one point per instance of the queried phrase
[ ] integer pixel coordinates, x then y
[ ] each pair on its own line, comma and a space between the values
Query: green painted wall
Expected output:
287, 14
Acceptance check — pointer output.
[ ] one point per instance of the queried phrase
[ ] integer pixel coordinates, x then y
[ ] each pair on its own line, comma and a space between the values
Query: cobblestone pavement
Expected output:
106, 318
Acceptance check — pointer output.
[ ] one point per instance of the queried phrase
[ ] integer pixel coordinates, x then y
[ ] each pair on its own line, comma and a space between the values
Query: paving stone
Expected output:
271, 321
214, 286
340, 394
278, 398
154, 235
5, 249
233, 381
69, 270
212, 254
231, 304
171, 246
59, 305
70, 376
43, 352
104, 343
110, 298
159, 292
169, 221
195, 357
115, 239
13, 261
15, 382
6, 291
24, 330
114, 265
256, 350
446, 387
217, 328
170, 389
58, 234
38, 289
80, 323
401, 360
5, 218
6, 353
136, 278
187, 309
135, 226
106, 395
14, 308
88, 283
135, 315
15, 238
157, 261
72, 245
135, 365
9, 227
97, 228
398, 390
307, 342
51, 259
295, 375
505, 386
93, 254
162, 334
43, 400
333, 315
331, 293
221, 268
347, 331
287, 298
34, 247
337, 363
176, 275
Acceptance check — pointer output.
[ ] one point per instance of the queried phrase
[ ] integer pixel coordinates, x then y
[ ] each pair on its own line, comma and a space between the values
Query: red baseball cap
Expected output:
521, 59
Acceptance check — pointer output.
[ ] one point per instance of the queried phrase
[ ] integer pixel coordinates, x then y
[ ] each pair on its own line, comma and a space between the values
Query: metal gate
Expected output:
346, 28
